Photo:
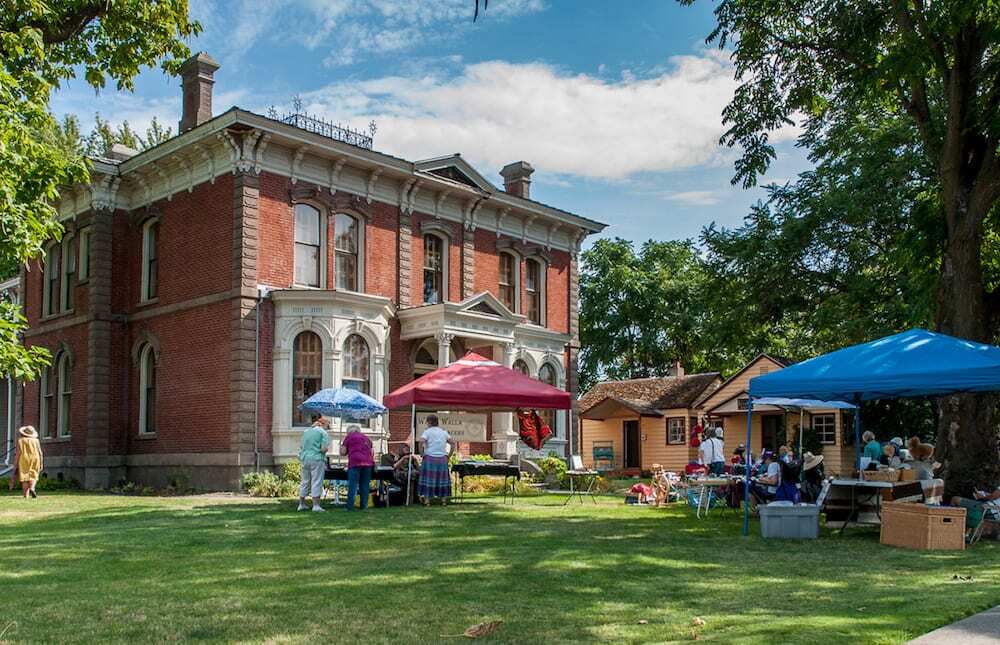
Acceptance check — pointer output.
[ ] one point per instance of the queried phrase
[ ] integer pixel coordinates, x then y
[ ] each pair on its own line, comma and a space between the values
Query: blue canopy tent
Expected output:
909, 364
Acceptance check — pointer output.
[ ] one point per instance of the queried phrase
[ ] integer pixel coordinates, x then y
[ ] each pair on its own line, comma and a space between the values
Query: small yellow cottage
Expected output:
626, 426
727, 406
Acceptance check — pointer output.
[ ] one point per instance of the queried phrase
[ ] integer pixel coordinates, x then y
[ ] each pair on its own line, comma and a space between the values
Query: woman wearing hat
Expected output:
27, 460
813, 475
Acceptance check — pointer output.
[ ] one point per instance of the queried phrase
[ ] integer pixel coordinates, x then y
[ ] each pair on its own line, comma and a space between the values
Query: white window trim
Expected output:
144, 287
83, 252
65, 284
516, 277
361, 250
445, 264
145, 355
44, 385
813, 427
324, 251
63, 367
47, 282
371, 374
543, 279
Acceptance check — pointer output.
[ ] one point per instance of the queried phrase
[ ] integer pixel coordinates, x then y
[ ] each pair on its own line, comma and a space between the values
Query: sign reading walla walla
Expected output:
462, 426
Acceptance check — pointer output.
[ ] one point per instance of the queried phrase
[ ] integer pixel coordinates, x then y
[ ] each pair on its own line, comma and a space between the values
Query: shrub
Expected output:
267, 484
291, 471
47, 484
554, 469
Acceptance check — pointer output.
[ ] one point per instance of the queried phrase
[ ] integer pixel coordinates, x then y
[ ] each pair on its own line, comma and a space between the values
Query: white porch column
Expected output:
444, 348
503, 422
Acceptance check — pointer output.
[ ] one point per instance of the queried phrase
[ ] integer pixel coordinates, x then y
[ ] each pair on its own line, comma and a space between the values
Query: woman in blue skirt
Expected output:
435, 478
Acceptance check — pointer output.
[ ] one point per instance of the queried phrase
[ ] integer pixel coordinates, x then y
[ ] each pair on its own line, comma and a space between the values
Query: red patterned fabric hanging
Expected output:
532, 429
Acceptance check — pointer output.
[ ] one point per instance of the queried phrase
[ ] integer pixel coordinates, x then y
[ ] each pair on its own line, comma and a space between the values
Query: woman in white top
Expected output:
713, 453
435, 478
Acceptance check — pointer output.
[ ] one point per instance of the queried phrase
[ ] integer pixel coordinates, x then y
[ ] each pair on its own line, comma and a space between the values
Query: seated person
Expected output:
981, 500
402, 464
765, 486
813, 475
890, 457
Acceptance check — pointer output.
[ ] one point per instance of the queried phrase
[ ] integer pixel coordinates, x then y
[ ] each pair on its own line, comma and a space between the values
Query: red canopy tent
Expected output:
477, 383
474, 383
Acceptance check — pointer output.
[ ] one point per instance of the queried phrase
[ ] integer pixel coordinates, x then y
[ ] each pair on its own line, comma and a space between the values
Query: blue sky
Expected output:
616, 104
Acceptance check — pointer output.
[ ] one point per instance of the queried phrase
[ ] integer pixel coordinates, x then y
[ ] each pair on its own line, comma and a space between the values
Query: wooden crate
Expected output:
918, 526
888, 475
907, 475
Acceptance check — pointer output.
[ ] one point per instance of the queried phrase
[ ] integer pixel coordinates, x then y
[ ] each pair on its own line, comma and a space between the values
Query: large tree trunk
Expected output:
967, 440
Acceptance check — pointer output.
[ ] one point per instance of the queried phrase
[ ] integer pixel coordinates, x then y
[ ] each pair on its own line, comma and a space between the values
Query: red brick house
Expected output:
206, 286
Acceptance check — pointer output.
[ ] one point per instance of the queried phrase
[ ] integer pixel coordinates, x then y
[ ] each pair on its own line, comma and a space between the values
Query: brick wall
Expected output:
73, 339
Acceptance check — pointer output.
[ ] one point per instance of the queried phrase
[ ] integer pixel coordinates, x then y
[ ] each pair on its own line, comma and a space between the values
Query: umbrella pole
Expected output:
746, 485
409, 463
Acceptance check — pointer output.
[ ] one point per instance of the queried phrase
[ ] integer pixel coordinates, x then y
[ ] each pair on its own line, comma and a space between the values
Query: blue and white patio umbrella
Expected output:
343, 403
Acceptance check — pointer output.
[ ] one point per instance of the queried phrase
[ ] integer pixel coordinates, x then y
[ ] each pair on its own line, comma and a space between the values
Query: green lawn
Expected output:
86, 568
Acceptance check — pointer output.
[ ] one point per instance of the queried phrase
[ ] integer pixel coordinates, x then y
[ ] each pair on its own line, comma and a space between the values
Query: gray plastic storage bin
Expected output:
793, 522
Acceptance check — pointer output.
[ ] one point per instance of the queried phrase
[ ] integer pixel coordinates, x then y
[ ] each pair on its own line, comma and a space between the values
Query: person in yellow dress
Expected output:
27, 460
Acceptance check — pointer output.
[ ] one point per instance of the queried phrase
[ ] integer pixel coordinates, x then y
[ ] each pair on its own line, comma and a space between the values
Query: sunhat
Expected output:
898, 441
810, 461
28, 431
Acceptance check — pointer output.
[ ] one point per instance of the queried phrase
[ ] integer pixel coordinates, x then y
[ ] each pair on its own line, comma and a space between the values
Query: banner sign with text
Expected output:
462, 426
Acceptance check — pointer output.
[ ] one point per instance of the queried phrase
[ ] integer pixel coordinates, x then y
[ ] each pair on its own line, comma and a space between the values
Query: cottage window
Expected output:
64, 369
676, 432
307, 373
147, 390
308, 242
150, 260
547, 375
533, 291
50, 297
825, 427
508, 281
83, 266
435, 269
68, 274
347, 246
46, 404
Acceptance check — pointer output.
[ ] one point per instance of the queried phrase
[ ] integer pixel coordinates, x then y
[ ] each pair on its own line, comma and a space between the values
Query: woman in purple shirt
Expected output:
360, 461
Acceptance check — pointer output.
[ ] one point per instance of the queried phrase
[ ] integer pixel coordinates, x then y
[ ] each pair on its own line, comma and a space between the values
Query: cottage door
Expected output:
633, 457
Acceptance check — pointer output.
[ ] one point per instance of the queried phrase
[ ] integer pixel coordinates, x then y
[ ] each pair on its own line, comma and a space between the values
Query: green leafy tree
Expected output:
43, 44
639, 311
934, 64
104, 135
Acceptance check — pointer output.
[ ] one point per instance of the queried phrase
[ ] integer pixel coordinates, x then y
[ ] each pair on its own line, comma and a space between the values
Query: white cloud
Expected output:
571, 124
695, 197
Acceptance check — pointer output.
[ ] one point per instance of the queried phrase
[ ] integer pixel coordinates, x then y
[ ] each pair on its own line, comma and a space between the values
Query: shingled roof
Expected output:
648, 395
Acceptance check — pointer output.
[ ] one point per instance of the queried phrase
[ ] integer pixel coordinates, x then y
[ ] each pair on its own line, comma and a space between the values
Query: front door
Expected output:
633, 458
769, 432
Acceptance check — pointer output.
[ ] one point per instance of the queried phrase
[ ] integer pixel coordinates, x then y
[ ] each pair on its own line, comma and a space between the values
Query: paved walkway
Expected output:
981, 629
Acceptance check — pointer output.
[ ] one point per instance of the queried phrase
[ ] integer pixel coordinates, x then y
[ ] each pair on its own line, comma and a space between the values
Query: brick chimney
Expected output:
517, 178
196, 83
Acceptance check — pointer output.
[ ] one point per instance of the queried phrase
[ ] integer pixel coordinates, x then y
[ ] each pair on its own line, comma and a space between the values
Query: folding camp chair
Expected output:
604, 455
991, 516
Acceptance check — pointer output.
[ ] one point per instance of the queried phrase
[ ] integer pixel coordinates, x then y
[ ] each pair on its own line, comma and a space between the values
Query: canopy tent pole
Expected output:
746, 485
409, 463
857, 438
802, 414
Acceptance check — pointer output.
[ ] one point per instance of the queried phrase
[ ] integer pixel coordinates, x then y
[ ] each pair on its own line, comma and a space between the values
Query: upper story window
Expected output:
307, 373
68, 273
308, 242
83, 265
508, 281
347, 246
534, 286
147, 390
50, 286
150, 260
64, 369
435, 269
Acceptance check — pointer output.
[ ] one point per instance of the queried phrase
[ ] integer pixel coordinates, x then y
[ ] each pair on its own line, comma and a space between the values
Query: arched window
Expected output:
150, 259
534, 289
64, 369
356, 364
435, 270
347, 251
46, 403
307, 373
520, 366
68, 272
50, 297
147, 390
547, 375
308, 242
508, 280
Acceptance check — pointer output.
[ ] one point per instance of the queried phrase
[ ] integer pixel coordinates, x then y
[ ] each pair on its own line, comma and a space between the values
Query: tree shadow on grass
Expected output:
257, 571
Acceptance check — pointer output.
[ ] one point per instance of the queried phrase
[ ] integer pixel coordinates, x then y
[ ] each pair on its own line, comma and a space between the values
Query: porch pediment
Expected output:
479, 316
